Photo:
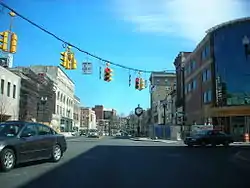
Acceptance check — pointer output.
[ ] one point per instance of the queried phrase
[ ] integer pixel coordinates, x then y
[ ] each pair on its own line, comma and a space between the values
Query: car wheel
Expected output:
7, 159
190, 145
56, 153
203, 144
226, 144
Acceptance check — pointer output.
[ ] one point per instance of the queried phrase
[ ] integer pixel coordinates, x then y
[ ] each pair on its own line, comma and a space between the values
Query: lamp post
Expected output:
43, 101
246, 42
128, 123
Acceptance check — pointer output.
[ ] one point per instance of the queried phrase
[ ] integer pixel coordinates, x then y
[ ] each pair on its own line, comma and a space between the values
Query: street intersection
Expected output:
114, 162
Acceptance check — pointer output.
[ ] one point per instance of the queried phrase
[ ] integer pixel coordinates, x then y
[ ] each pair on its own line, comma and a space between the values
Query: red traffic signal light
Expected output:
137, 83
107, 74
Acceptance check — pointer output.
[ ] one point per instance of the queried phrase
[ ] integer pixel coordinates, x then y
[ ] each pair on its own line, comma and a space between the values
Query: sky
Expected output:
143, 34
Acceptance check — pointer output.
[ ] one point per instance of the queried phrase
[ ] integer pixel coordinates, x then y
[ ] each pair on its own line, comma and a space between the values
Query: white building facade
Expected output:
77, 113
9, 95
65, 89
88, 118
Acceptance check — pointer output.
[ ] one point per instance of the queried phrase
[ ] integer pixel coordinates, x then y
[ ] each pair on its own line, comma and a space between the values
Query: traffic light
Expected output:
137, 83
72, 60
74, 64
107, 74
142, 84
13, 43
64, 60
4, 41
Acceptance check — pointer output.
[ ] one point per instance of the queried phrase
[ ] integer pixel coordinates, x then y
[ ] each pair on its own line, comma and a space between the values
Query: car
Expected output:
22, 142
209, 137
93, 134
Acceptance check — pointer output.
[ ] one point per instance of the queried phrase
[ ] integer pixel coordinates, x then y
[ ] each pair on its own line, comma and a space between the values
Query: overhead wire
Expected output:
72, 45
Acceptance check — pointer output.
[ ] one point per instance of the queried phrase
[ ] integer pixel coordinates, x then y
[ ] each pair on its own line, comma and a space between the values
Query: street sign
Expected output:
87, 68
138, 111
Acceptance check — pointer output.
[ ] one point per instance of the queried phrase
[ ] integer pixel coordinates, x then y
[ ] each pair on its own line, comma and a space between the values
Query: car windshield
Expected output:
200, 133
9, 129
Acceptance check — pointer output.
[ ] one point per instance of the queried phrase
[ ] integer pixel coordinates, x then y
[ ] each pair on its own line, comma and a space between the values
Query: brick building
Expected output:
217, 77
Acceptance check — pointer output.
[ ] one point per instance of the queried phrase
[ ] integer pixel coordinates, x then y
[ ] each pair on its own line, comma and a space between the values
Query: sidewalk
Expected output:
156, 140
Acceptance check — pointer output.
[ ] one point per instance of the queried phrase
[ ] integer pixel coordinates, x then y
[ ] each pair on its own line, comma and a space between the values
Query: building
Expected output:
99, 111
65, 89
9, 95
161, 83
179, 64
216, 79
104, 117
37, 97
77, 113
88, 118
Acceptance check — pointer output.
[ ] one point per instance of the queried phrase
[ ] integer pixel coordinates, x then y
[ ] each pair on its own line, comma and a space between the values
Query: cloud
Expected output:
188, 19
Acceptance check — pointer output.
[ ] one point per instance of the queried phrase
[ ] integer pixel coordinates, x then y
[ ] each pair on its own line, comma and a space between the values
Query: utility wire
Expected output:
72, 45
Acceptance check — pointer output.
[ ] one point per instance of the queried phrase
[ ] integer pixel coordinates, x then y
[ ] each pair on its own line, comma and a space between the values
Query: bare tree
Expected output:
4, 106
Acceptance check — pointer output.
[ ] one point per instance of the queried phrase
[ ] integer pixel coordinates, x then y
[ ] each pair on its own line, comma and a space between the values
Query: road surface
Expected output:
123, 163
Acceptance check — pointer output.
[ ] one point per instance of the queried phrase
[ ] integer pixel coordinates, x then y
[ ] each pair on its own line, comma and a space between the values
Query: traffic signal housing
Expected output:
137, 83
108, 74
142, 84
64, 60
72, 60
4, 41
13, 43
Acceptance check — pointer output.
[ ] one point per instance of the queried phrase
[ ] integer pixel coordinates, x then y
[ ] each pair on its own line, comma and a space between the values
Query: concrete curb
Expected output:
151, 140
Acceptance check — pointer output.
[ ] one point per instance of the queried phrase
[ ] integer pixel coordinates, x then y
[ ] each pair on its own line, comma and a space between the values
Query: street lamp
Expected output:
245, 42
43, 101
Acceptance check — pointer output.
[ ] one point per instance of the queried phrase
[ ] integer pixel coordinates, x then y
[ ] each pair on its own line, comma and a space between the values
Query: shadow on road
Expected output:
146, 166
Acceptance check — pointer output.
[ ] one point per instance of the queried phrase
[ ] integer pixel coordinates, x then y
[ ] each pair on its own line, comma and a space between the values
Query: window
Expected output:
9, 129
205, 52
194, 84
206, 75
57, 109
2, 86
44, 130
189, 87
14, 91
207, 96
194, 64
29, 130
8, 89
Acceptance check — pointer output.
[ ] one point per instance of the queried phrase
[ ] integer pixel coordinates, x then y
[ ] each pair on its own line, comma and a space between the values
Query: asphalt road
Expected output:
122, 163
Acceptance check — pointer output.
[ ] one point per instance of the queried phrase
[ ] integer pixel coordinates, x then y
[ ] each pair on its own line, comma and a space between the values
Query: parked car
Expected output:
209, 137
28, 141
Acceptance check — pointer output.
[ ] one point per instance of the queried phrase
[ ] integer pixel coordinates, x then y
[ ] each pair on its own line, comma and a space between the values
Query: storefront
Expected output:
233, 120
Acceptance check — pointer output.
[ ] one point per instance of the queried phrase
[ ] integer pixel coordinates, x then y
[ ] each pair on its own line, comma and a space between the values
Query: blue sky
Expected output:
141, 34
